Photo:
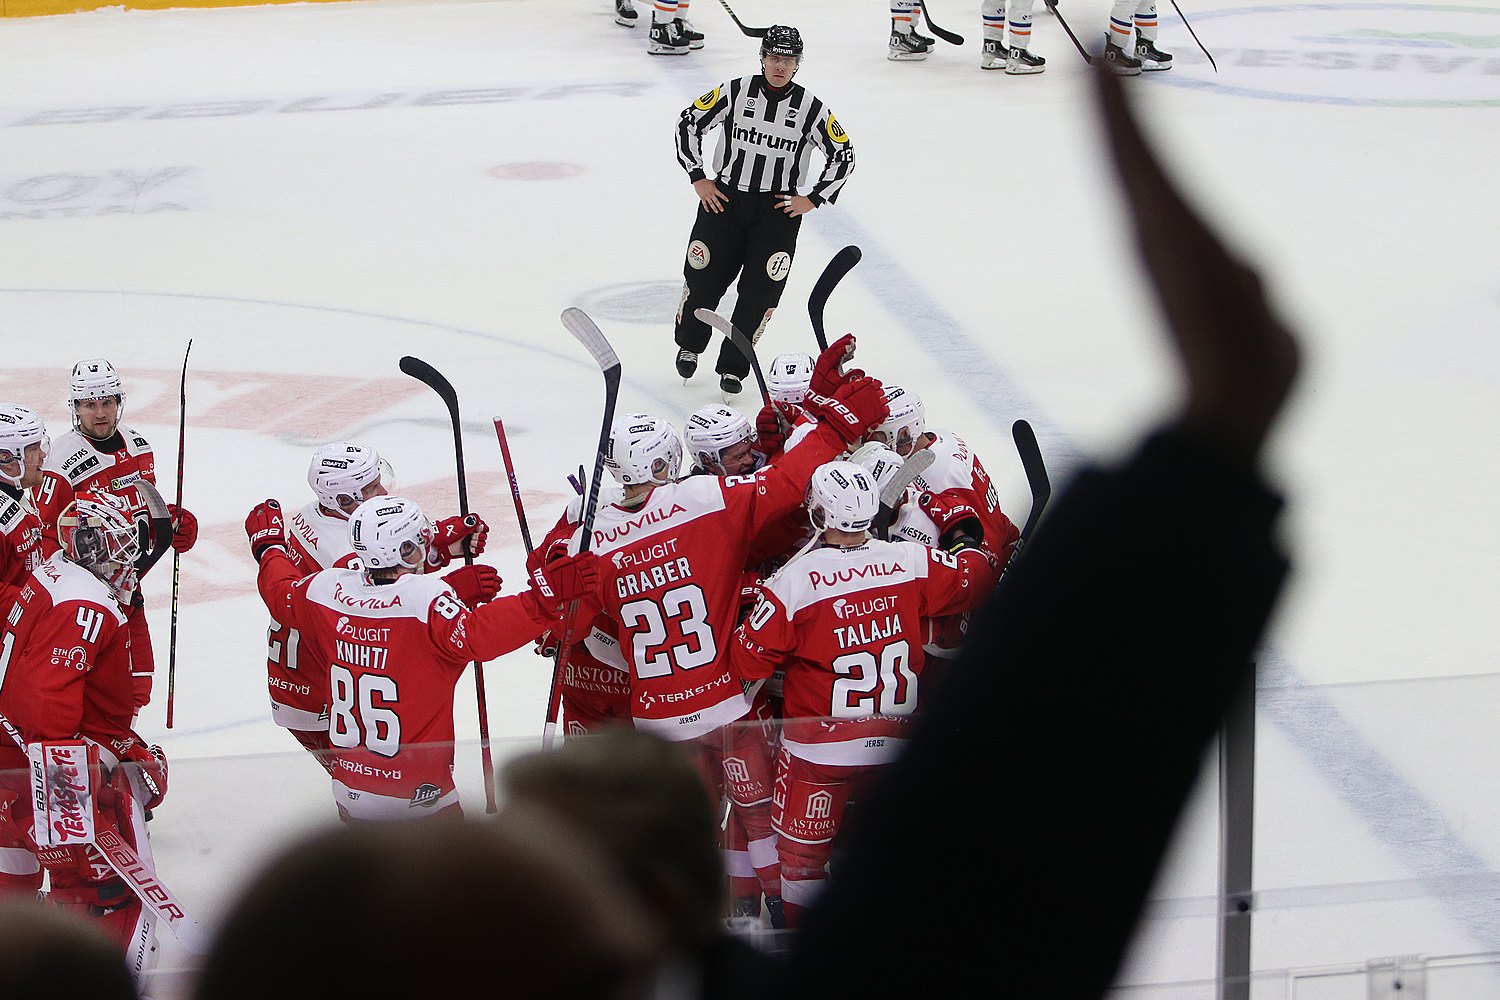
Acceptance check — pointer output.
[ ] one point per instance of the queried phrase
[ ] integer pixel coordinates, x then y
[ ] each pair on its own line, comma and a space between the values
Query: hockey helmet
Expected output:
781, 40
637, 442
390, 533
713, 430
97, 532
906, 423
842, 496
341, 473
789, 377
20, 428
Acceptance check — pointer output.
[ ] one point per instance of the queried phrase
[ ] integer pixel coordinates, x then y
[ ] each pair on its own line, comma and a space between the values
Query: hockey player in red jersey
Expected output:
957, 493
342, 475
23, 449
396, 641
672, 555
67, 694
102, 454
845, 621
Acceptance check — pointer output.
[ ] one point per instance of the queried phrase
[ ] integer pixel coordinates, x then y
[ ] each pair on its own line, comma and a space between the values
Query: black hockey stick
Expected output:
750, 32
745, 347
159, 533
1189, 27
434, 380
843, 262
580, 326
177, 556
891, 493
1052, 6
948, 36
1036, 478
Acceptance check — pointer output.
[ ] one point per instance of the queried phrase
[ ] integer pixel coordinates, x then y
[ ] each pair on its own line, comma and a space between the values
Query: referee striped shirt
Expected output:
767, 139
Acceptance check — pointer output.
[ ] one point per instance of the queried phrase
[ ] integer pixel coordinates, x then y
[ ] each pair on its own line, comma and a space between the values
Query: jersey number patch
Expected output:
362, 712
867, 686
676, 632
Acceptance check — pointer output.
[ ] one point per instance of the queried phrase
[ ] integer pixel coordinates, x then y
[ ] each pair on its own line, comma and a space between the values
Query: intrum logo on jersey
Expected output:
77, 657
425, 796
369, 603
361, 633
818, 578
755, 137
604, 536
860, 609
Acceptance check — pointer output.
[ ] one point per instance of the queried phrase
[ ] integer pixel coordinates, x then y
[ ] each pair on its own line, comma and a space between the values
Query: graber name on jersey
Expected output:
864, 633
640, 581
355, 655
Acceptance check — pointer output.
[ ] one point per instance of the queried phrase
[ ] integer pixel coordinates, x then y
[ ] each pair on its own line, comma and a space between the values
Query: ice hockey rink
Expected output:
310, 192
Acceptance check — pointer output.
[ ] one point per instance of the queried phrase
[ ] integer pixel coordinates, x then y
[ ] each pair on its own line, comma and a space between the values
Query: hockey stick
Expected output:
1036, 478
891, 493
749, 32
948, 36
577, 322
843, 262
177, 556
515, 487
1052, 6
160, 532
1189, 27
434, 380
743, 344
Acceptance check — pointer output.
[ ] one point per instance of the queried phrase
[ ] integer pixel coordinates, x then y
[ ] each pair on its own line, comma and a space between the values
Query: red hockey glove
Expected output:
474, 584
856, 408
453, 536
950, 510
547, 643
184, 527
773, 425
566, 579
153, 771
265, 528
828, 372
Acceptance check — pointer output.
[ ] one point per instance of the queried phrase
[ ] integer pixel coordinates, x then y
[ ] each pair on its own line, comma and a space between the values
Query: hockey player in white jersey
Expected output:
721, 442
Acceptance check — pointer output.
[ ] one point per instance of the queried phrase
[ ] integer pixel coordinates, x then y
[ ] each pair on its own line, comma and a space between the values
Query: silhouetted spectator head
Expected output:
645, 803
47, 952
429, 909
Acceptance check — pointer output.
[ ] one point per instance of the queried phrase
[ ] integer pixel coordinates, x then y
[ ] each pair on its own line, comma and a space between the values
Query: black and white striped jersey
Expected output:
767, 139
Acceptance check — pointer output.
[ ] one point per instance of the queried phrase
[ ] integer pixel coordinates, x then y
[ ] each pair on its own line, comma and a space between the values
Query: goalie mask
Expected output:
95, 378
643, 449
344, 475
907, 421
842, 496
97, 532
721, 441
789, 377
390, 533
20, 428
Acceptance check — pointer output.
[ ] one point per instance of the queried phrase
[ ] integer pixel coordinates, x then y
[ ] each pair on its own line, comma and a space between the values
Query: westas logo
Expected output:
657, 516
349, 600
869, 571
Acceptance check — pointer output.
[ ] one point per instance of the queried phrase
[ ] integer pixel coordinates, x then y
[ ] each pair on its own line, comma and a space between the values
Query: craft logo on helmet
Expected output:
425, 796
390, 511
1373, 54
334, 463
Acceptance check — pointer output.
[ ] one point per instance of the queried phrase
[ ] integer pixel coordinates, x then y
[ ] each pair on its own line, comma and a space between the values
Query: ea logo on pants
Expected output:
697, 255
779, 266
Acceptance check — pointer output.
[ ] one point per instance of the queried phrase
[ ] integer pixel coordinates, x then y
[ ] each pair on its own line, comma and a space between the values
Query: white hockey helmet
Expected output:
907, 421
20, 428
637, 442
94, 378
97, 532
842, 496
712, 430
390, 533
339, 474
789, 377
880, 461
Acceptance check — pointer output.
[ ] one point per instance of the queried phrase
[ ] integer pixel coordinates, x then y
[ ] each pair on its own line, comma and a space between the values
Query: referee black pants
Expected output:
753, 238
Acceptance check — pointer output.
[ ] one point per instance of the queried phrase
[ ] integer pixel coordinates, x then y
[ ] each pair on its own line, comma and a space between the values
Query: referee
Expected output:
749, 213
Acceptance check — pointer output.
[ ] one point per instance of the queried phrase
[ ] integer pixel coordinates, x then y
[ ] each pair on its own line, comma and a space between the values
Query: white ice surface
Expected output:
312, 191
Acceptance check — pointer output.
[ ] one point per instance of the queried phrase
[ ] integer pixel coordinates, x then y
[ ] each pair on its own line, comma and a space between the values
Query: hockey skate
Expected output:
1120, 62
625, 13
926, 40
994, 54
907, 47
666, 40
729, 385
1020, 62
687, 364
1151, 57
686, 30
